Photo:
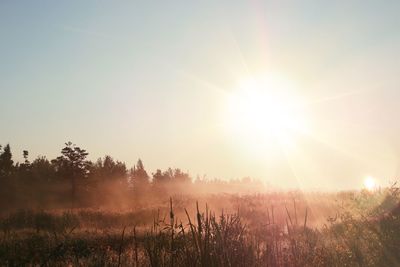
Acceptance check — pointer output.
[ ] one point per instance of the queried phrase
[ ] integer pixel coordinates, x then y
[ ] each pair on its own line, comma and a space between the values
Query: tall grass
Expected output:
360, 234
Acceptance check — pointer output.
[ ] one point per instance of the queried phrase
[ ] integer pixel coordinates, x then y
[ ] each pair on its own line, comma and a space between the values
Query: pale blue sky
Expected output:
148, 79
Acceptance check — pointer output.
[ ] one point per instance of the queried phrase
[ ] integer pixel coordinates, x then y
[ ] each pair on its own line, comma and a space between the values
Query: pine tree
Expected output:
6, 162
72, 164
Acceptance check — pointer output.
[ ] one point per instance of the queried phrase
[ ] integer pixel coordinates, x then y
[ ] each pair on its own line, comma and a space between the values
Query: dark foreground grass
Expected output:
362, 234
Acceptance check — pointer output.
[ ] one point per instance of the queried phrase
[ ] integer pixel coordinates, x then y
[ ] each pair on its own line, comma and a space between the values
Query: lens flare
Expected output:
370, 183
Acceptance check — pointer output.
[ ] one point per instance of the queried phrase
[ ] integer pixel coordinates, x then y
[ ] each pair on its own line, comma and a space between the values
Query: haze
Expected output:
154, 81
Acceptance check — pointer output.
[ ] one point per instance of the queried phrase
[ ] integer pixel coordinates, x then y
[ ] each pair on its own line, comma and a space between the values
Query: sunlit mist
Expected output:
199, 133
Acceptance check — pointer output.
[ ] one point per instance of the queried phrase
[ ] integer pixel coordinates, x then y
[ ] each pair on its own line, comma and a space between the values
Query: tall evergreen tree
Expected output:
6, 162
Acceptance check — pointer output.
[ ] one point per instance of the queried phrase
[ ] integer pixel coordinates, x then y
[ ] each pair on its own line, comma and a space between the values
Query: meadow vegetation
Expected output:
105, 217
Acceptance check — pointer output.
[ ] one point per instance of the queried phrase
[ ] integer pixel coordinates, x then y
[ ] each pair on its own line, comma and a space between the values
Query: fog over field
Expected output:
199, 133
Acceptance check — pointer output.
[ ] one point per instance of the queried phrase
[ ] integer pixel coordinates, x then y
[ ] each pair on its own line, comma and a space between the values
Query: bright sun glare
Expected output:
265, 110
369, 183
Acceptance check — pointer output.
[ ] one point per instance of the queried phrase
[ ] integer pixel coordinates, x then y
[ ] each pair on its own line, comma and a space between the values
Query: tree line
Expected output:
71, 180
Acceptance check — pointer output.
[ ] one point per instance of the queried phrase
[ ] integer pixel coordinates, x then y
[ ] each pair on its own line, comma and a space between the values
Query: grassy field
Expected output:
271, 229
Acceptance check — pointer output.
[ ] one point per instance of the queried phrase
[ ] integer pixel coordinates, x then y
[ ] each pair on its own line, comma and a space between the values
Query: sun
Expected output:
370, 183
265, 110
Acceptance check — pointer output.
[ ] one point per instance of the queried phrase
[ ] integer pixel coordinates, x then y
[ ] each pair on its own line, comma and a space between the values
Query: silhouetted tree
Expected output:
6, 162
72, 164
181, 177
42, 170
7, 185
25, 154
24, 167
108, 169
139, 177
161, 178
161, 181
43, 183
170, 181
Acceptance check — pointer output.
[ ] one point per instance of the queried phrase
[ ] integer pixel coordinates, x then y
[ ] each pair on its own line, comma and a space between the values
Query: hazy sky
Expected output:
150, 79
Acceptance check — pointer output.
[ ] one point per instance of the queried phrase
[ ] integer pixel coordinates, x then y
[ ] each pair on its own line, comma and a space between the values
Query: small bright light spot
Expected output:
369, 183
